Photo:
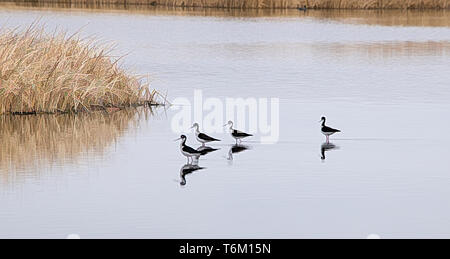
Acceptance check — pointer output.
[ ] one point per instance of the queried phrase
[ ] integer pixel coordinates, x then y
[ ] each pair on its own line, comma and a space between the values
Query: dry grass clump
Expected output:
57, 73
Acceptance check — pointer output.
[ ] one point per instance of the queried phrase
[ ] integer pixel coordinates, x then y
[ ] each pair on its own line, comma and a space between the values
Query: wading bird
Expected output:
327, 131
236, 134
187, 151
201, 137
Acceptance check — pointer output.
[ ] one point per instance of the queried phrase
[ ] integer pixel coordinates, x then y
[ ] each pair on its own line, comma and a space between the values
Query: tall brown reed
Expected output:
52, 73
318, 4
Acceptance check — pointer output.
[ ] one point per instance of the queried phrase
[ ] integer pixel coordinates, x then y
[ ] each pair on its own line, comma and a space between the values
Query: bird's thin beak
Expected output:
177, 139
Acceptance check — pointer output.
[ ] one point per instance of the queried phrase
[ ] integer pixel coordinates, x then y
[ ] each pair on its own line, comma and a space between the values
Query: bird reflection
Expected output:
188, 169
327, 147
236, 149
204, 150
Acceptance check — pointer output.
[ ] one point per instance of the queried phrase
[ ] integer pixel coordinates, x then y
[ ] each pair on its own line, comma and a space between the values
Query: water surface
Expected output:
380, 77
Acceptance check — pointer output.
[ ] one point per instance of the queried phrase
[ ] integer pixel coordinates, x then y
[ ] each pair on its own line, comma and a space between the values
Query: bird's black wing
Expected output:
238, 133
206, 137
190, 150
328, 129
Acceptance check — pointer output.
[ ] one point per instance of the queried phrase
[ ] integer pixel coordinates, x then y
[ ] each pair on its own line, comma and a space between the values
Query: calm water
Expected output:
383, 78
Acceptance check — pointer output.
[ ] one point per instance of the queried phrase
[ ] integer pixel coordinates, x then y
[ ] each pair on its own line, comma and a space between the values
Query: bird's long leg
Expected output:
203, 144
187, 159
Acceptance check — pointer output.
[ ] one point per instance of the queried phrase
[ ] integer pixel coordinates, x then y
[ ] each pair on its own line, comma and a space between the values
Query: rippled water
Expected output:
382, 77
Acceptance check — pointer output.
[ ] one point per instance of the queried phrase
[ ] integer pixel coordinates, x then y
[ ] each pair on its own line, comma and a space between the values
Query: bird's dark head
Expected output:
323, 119
182, 137
229, 123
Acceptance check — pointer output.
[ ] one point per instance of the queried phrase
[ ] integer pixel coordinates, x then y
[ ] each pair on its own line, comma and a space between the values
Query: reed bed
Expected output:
60, 73
267, 4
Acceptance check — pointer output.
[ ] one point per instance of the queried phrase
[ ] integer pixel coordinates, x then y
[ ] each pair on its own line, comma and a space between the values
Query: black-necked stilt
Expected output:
327, 131
188, 169
187, 151
236, 134
201, 137
304, 8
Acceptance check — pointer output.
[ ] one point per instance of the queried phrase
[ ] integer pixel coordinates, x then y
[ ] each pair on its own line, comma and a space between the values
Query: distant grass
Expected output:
58, 73
267, 4
378, 4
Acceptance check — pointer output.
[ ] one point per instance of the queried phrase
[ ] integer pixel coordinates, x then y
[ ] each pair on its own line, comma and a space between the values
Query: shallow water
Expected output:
385, 84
